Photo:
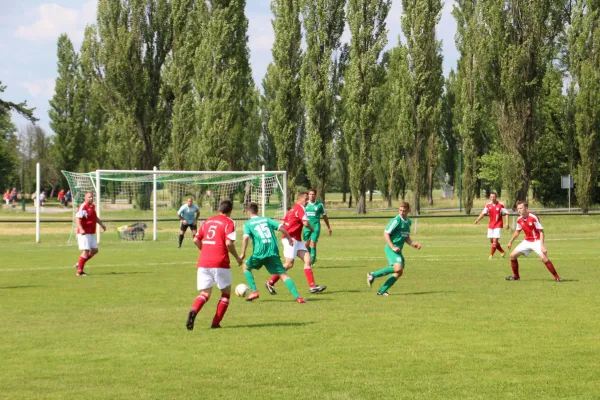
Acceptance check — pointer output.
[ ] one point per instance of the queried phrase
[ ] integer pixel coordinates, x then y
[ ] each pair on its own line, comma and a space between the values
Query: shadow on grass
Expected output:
550, 280
120, 273
342, 291
270, 325
422, 293
339, 266
21, 287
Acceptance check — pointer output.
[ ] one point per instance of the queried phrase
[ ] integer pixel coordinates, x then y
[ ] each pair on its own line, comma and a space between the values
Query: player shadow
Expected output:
270, 325
422, 293
342, 291
551, 281
121, 273
340, 267
21, 287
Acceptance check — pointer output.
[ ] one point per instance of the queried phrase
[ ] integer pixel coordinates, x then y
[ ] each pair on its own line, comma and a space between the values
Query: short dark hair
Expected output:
253, 207
523, 202
225, 206
302, 194
491, 193
312, 190
405, 204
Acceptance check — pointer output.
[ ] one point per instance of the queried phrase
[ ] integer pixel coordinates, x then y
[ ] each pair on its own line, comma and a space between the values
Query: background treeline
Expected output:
169, 84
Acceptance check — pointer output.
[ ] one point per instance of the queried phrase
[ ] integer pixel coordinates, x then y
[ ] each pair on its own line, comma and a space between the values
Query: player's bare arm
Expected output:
198, 243
514, 236
506, 222
101, 224
231, 247
287, 236
388, 240
411, 243
479, 218
183, 221
196, 219
244, 247
308, 225
78, 223
542, 237
326, 220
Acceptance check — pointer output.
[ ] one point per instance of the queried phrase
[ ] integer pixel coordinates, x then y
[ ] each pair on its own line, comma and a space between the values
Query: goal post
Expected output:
154, 196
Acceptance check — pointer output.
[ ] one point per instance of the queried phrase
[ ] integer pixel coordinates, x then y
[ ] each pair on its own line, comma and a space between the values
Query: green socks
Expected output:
383, 272
250, 279
313, 254
292, 287
388, 284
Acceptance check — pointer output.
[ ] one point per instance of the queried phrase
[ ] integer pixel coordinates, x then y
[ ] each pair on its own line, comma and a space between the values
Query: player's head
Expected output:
190, 201
252, 209
522, 208
89, 197
225, 207
493, 196
404, 208
302, 198
312, 195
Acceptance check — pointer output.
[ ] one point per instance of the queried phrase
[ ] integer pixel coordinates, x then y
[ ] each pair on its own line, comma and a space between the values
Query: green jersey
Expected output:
314, 212
262, 232
398, 230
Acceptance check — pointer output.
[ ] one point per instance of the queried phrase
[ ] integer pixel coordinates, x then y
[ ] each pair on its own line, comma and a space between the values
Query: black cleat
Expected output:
370, 279
317, 289
215, 326
512, 278
81, 273
190, 320
558, 280
383, 294
270, 288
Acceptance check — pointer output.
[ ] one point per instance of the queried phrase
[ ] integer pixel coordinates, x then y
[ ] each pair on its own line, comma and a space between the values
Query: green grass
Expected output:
452, 328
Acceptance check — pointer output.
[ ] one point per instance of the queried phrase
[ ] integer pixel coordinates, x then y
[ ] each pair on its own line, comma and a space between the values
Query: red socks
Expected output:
494, 246
309, 276
81, 263
221, 309
198, 303
515, 268
499, 247
550, 267
273, 280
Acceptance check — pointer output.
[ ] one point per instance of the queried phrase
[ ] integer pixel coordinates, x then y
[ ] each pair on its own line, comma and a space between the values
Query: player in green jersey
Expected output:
265, 251
396, 234
314, 211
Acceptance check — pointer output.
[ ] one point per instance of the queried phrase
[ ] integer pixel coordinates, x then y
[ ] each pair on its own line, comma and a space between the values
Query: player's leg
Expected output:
251, 263
224, 280
205, 281
398, 270
304, 255
544, 257
275, 267
289, 253
514, 262
182, 228
85, 245
393, 258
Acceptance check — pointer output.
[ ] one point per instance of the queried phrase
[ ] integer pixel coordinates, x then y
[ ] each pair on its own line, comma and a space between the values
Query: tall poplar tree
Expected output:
224, 86
369, 36
584, 51
65, 119
324, 24
523, 39
424, 59
285, 108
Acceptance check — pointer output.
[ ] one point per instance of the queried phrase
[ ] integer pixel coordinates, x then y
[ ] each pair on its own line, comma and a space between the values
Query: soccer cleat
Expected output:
253, 296
317, 289
300, 300
81, 273
383, 294
512, 278
490, 257
558, 280
370, 279
215, 326
502, 255
270, 288
76, 265
190, 320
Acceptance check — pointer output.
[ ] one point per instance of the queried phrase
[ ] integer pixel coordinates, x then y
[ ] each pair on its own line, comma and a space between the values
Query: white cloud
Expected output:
54, 19
43, 87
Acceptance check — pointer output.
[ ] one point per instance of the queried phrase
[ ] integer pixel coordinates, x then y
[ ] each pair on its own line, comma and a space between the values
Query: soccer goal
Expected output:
151, 199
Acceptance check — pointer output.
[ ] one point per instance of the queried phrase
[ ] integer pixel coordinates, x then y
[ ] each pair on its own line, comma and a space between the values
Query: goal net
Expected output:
143, 205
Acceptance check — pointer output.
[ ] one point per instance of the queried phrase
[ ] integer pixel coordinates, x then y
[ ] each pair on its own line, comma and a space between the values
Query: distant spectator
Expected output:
67, 198
61, 197
42, 199
34, 198
7, 196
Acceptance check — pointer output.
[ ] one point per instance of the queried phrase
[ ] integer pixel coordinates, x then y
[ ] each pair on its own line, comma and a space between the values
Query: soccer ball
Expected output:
241, 290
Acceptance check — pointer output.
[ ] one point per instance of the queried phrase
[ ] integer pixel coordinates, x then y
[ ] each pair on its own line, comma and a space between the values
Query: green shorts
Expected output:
314, 236
273, 264
393, 257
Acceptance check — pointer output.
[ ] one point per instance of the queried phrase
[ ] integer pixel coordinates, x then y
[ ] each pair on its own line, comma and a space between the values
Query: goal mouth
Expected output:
126, 198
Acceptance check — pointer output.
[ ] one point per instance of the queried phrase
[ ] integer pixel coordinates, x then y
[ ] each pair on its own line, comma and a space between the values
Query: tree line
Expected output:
169, 84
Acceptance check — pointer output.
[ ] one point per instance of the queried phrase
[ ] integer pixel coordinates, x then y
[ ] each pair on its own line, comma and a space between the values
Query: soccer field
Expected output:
452, 327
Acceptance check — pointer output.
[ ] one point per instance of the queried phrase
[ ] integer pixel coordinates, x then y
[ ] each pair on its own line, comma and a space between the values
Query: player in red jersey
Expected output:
86, 220
534, 241
294, 221
496, 211
215, 239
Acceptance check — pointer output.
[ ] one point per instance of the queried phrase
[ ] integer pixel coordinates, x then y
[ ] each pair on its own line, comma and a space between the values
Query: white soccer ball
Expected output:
241, 290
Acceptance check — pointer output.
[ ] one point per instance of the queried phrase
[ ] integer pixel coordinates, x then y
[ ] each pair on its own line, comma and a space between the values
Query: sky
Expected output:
29, 30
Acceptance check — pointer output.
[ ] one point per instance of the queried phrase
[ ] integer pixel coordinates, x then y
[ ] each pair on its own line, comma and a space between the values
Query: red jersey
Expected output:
495, 211
87, 213
531, 226
213, 233
61, 194
293, 221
